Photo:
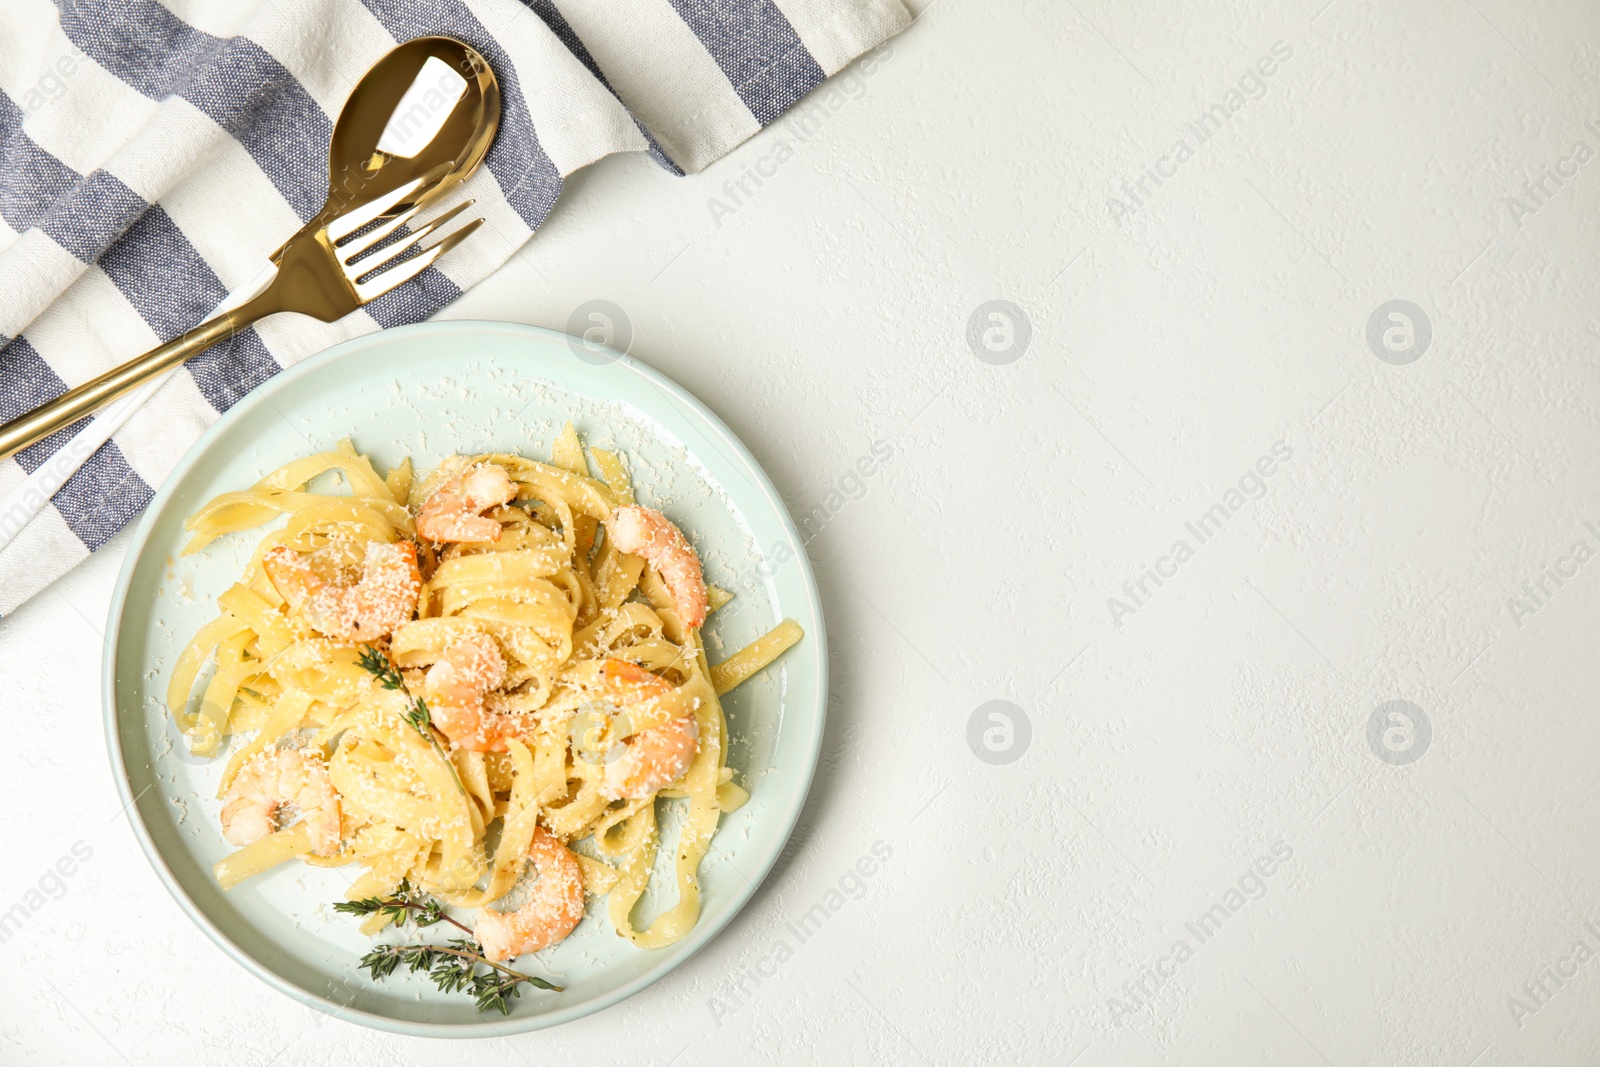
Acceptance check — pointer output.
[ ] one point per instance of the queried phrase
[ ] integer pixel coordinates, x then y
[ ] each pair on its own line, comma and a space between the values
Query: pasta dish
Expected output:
476, 684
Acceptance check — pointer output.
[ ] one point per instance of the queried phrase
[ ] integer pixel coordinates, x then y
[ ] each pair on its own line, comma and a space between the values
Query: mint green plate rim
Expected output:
803, 723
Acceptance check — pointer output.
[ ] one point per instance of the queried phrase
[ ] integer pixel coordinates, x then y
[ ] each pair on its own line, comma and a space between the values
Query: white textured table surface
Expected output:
1202, 850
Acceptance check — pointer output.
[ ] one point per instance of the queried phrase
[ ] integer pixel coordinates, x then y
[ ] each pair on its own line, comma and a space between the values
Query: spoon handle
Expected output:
75, 403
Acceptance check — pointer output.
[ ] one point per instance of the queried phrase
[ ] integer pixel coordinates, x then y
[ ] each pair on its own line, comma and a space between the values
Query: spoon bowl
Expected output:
435, 84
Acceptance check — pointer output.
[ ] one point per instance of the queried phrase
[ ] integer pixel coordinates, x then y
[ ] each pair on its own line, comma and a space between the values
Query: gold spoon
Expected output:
359, 171
416, 125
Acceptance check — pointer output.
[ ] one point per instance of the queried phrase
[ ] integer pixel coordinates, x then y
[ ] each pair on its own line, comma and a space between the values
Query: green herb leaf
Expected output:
417, 714
365, 906
452, 967
380, 962
377, 664
493, 992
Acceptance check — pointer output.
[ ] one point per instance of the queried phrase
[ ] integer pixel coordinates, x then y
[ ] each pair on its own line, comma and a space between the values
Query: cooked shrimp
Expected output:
648, 533
554, 905
385, 597
455, 510
271, 789
652, 760
628, 683
455, 687
656, 757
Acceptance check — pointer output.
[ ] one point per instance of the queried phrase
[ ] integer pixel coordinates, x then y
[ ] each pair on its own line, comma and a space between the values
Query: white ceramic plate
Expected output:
427, 391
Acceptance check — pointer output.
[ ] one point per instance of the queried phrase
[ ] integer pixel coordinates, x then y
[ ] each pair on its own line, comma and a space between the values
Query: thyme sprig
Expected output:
378, 665
407, 905
452, 967
416, 714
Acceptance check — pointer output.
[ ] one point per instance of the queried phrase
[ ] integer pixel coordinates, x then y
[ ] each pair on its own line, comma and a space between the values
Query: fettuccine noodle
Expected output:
566, 690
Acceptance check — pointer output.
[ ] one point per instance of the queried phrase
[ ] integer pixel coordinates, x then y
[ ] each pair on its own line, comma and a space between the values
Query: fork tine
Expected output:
342, 227
399, 270
345, 225
404, 251
363, 243
369, 241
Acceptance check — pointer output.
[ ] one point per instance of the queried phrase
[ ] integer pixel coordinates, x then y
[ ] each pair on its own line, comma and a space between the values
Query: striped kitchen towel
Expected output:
153, 154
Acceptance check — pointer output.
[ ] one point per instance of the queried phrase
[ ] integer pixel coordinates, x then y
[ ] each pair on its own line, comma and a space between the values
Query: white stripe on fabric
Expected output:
220, 20
156, 436
34, 270
503, 232
291, 338
81, 117
44, 550
11, 475
178, 139
835, 32
328, 63
550, 16
758, 51
702, 117
89, 328
28, 28
577, 118
230, 212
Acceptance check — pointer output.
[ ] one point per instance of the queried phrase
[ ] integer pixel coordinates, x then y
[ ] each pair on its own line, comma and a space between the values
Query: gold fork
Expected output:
325, 272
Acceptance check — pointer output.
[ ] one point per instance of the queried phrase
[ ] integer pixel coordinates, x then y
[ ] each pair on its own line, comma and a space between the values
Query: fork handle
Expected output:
77, 402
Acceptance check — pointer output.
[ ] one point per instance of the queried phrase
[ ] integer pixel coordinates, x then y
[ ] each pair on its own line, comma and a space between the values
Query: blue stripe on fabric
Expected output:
102, 496
30, 382
234, 81
105, 492
757, 49
38, 454
82, 215
31, 179
415, 300
530, 181
552, 16
92, 215
174, 289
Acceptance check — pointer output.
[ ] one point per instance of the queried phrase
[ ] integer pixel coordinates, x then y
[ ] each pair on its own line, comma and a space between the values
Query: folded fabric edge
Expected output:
843, 39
